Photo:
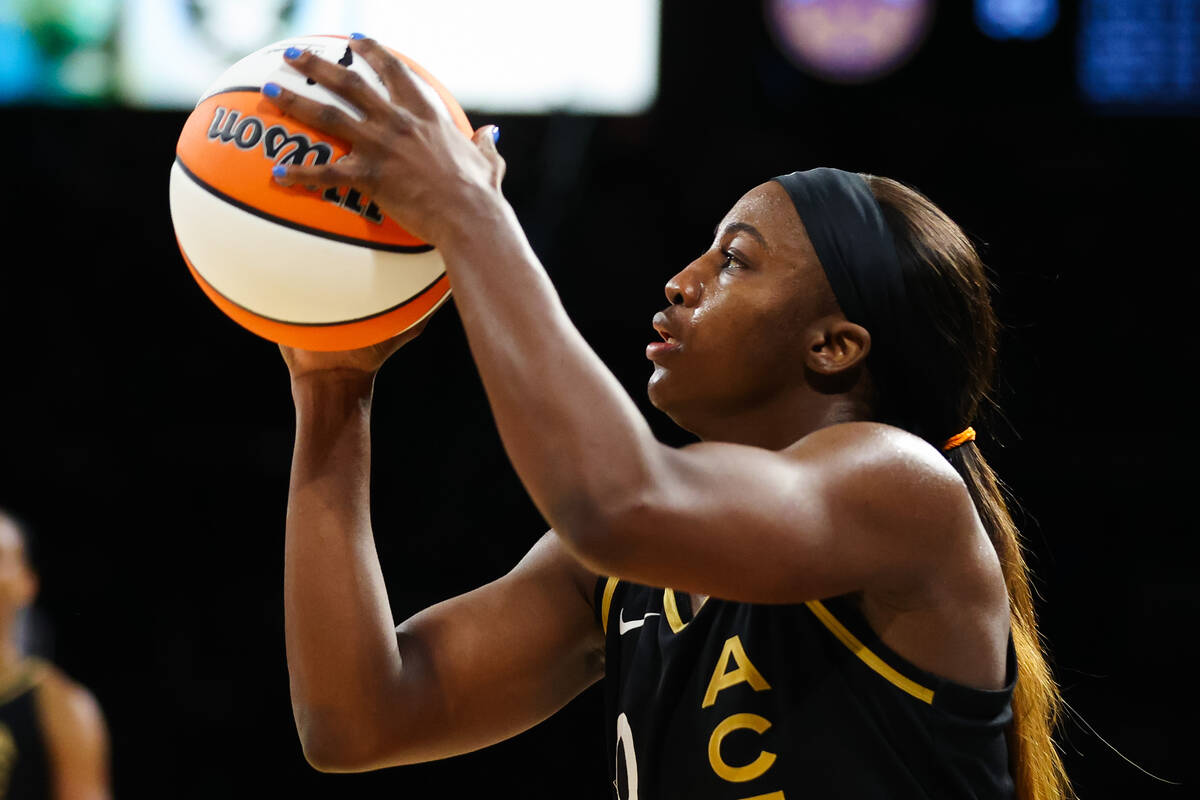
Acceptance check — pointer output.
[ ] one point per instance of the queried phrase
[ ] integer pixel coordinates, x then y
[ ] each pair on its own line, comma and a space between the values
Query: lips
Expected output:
662, 325
669, 344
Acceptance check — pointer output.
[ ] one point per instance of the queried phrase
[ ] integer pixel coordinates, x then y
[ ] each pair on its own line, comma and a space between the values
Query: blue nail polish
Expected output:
357, 36
292, 52
495, 133
279, 171
271, 89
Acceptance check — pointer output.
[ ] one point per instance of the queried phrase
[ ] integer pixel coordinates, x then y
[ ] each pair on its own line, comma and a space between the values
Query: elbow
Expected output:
605, 534
328, 762
330, 759
326, 753
605, 517
337, 747
607, 522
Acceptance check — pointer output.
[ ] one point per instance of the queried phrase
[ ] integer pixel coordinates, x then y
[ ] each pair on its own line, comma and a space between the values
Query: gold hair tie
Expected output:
954, 441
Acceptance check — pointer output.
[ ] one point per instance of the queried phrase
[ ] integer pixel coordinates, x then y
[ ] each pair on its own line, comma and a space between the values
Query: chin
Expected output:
665, 400
658, 394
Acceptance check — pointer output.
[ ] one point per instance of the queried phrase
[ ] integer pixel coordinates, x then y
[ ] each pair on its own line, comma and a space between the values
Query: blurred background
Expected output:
147, 439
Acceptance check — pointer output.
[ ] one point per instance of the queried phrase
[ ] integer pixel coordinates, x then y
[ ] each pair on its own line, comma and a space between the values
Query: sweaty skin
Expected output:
754, 357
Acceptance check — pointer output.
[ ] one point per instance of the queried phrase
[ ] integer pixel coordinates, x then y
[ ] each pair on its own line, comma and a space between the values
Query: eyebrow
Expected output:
746, 228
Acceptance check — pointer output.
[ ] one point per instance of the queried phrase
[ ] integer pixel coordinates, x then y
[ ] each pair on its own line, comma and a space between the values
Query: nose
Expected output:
686, 287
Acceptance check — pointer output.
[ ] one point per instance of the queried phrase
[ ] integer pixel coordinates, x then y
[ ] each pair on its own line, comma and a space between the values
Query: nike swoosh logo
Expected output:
625, 627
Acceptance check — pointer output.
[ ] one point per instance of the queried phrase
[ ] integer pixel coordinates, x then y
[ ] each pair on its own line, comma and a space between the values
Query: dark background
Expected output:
148, 439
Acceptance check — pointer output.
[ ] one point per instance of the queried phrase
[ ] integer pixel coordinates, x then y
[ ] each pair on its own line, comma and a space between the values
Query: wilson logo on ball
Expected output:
249, 131
282, 147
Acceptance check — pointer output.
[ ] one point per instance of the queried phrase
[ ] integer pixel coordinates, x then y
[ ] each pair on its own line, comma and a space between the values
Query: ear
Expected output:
836, 346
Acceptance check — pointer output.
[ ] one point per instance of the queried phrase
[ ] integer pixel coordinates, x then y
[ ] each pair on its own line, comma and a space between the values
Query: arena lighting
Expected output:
515, 56
1016, 19
848, 41
1140, 56
18, 57
506, 56
50, 51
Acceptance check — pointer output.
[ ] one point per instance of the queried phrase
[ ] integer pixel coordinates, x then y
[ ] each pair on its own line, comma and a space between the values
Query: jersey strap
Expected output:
605, 588
848, 624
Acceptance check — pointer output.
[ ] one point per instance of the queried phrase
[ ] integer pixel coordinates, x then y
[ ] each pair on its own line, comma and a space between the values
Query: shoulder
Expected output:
69, 712
76, 736
891, 478
874, 451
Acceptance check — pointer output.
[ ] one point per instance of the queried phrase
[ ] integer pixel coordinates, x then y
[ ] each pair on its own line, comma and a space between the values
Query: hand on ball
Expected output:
410, 159
364, 361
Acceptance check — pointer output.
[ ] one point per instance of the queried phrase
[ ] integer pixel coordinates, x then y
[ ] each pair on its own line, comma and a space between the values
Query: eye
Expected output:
729, 260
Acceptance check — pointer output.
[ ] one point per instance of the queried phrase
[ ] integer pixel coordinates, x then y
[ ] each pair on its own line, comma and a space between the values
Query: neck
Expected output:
782, 421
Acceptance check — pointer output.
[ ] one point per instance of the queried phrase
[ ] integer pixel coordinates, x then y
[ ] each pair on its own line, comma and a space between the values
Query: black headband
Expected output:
855, 247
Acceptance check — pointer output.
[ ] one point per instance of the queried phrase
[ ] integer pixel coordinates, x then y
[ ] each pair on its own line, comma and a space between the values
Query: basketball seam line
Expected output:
296, 226
261, 315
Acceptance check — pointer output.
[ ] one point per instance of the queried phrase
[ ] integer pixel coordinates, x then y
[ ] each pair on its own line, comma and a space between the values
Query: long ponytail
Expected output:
946, 279
1037, 766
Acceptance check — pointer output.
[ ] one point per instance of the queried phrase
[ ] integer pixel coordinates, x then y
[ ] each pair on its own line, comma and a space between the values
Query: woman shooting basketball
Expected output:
848, 609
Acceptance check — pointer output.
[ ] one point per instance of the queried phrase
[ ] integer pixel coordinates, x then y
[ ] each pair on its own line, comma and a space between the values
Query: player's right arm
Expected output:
463, 674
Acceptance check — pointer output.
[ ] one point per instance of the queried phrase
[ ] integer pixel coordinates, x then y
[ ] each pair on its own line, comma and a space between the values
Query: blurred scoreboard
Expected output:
1140, 55
1016, 19
539, 56
514, 56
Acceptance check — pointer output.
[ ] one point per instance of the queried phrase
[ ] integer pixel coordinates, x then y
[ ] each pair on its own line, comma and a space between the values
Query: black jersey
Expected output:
785, 702
24, 771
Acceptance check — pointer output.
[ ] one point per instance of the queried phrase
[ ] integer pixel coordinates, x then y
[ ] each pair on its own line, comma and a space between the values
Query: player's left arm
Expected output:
76, 739
854, 507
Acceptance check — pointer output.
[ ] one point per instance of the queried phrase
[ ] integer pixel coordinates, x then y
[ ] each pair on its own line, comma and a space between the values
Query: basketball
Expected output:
319, 270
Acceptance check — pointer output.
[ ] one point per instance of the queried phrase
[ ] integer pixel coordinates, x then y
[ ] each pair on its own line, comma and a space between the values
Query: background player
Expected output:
53, 740
797, 496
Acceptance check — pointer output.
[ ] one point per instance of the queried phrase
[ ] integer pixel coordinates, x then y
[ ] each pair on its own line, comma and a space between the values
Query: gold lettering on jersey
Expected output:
771, 796
755, 768
746, 672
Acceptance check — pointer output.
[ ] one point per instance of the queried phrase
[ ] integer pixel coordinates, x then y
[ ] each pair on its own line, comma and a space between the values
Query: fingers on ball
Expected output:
324, 176
306, 176
342, 81
397, 77
355, 89
319, 115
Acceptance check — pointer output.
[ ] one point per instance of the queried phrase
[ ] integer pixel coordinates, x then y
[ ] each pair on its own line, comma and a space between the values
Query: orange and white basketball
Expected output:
320, 270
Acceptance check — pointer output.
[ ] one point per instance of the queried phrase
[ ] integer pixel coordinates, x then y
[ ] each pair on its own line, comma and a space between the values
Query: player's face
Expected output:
731, 339
16, 579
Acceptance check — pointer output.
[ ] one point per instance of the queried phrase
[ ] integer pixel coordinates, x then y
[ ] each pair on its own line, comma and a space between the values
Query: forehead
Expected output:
766, 203
769, 209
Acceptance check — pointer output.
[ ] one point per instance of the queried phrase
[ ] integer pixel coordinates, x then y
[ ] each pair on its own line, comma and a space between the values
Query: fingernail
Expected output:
292, 52
271, 89
357, 36
279, 171
495, 133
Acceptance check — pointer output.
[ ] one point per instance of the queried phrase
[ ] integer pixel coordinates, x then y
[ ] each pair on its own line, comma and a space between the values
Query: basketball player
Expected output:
53, 742
825, 597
